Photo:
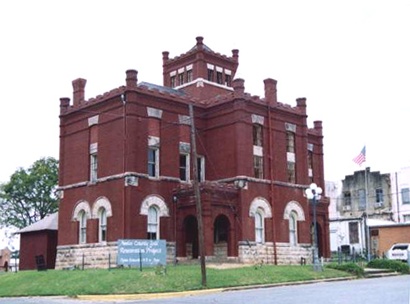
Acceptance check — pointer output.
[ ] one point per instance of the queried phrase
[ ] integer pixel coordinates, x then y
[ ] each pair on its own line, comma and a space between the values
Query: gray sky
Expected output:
350, 59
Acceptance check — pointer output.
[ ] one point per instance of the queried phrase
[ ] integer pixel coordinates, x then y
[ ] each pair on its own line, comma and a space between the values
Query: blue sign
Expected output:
141, 252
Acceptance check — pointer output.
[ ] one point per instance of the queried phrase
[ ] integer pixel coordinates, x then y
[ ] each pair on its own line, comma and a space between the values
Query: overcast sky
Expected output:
350, 59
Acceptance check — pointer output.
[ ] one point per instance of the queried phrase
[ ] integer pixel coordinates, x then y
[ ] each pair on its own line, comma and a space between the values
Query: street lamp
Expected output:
313, 193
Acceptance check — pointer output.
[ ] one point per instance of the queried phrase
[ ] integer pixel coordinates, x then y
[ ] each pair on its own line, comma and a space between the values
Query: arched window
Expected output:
259, 226
293, 228
153, 219
82, 237
102, 225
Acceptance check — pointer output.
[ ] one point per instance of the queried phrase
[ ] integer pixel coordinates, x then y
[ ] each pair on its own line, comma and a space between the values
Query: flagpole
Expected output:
367, 215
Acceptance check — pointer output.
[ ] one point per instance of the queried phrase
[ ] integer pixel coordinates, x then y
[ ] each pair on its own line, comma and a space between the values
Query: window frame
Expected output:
259, 226
102, 225
82, 227
293, 228
93, 167
184, 168
153, 223
153, 164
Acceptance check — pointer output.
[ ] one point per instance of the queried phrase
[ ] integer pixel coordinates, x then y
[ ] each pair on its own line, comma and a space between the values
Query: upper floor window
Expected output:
290, 142
201, 168
219, 77
93, 167
173, 82
210, 75
291, 169
257, 135
153, 161
102, 225
347, 198
184, 167
82, 227
180, 79
189, 76
405, 195
379, 195
362, 199
228, 80
258, 166
153, 223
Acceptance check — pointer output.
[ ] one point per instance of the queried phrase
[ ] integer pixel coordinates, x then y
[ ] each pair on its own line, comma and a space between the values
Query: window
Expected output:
362, 199
210, 75
258, 166
189, 76
290, 142
405, 195
379, 195
228, 80
259, 227
291, 159
180, 79
184, 167
293, 236
219, 77
82, 227
173, 81
102, 225
257, 135
153, 223
347, 198
201, 168
310, 166
93, 167
153, 160
406, 218
354, 232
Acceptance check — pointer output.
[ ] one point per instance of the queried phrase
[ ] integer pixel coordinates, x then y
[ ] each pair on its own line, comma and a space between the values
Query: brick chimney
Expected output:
131, 80
238, 87
301, 104
199, 42
64, 104
270, 91
78, 86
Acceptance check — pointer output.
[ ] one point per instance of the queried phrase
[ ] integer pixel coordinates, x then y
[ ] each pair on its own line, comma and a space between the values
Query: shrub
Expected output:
352, 268
394, 265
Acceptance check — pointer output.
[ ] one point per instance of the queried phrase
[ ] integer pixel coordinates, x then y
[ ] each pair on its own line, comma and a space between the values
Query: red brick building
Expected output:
126, 167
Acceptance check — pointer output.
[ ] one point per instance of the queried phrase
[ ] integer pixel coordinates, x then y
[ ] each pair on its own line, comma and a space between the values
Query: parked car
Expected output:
399, 251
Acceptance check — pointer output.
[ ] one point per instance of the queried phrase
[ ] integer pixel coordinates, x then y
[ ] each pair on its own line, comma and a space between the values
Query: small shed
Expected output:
5, 255
38, 244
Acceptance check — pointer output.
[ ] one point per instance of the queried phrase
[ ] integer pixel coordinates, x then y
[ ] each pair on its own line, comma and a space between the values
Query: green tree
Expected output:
30, 194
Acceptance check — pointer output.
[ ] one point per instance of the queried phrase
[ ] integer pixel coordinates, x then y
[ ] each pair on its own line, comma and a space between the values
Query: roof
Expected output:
50, 222
384, 223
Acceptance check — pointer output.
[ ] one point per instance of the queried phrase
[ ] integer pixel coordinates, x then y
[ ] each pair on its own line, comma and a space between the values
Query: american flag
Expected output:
361, 158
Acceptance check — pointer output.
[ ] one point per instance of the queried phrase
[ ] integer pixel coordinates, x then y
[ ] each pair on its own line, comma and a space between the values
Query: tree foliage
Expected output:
30, 194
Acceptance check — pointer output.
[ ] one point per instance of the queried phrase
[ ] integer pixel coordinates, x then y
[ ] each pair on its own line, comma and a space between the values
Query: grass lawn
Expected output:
150, 280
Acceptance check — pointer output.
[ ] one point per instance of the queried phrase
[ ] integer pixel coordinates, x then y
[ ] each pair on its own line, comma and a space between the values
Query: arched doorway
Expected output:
191, 237
221, 237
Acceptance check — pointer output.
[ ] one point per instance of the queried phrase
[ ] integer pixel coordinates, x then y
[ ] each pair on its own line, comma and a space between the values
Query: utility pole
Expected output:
197, 195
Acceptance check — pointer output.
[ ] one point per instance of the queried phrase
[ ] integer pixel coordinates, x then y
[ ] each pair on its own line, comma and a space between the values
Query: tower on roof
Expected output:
200, 69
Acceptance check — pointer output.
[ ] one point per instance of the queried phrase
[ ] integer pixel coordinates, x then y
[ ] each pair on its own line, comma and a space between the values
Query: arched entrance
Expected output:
221, 237
191, 237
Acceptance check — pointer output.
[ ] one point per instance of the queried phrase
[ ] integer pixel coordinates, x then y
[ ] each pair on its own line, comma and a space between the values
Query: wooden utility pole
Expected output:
197, 194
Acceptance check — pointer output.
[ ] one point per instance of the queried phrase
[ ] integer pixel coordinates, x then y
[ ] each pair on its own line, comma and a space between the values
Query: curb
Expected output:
150, 296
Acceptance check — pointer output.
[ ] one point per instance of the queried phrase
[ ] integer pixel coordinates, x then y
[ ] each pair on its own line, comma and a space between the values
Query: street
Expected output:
375, 291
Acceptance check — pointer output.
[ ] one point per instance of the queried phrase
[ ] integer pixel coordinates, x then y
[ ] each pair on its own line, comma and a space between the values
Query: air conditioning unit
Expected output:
378, 205
347, 208
131, 180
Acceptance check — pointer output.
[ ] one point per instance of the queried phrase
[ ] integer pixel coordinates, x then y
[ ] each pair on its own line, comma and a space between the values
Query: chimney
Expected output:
64, 104
301, 104
199, 42
235, 54
318, 126
165, 57
270, 91
131, 80
78, 86
238, 87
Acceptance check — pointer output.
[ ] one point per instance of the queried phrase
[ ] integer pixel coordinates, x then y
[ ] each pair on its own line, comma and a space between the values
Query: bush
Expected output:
352, 268
394, 265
